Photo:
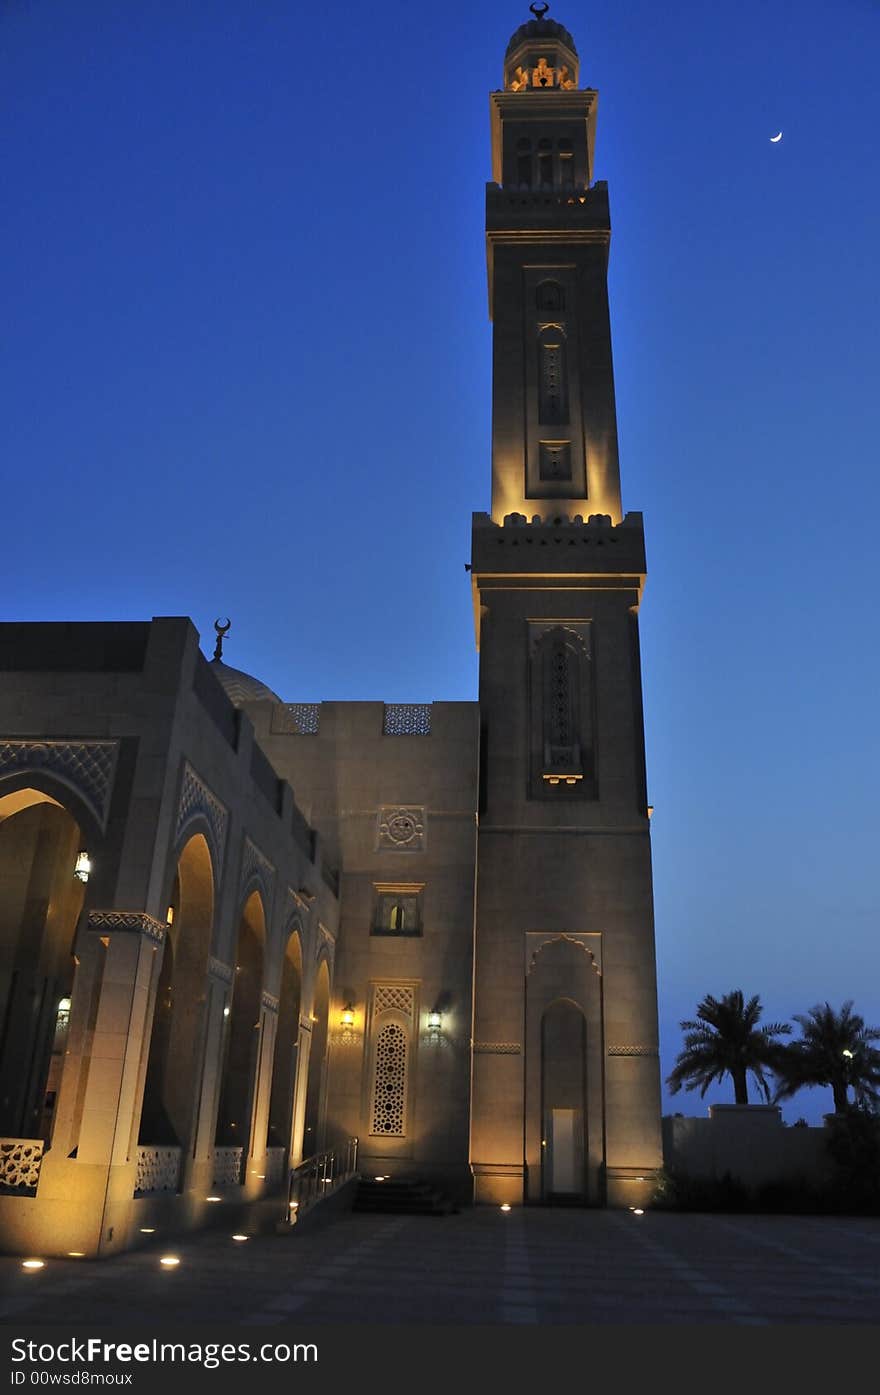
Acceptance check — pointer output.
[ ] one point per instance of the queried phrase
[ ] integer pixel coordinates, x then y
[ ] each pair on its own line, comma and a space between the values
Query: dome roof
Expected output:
541, 29
241, 687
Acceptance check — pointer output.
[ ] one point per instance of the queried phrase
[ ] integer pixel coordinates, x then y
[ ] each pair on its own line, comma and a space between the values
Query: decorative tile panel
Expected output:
497, 1048
633, 1051
86, 767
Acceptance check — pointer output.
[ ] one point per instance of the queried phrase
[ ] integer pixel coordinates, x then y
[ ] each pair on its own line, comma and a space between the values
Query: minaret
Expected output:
565, 1082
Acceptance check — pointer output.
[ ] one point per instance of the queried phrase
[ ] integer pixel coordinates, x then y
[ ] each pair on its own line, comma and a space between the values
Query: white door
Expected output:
562, 1155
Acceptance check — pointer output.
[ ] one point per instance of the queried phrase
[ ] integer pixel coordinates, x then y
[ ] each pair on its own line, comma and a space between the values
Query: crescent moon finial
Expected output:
539, 11
221, 631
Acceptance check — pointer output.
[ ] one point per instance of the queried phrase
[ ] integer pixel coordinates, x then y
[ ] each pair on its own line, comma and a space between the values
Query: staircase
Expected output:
404, 1196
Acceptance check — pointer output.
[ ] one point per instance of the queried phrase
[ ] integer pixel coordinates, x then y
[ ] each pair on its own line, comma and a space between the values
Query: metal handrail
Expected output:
318, 1177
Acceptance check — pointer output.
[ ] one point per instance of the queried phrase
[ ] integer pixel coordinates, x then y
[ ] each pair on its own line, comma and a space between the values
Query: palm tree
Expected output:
726, 1040
835, 1049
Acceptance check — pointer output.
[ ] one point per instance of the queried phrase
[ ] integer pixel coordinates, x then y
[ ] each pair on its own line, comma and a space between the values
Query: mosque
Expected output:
238, 932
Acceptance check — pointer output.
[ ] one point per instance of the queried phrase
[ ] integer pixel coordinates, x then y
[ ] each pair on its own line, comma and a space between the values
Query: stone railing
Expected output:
274, 1166
20, 1160
158, 1169
227, 1167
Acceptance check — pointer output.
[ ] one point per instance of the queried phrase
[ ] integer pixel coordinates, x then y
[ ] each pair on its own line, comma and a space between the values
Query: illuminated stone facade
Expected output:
427, 926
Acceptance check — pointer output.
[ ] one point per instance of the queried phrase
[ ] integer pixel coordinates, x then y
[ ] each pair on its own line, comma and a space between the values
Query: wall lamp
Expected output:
83, 866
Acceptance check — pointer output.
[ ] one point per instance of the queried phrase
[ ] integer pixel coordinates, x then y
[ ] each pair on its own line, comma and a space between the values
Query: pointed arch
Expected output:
41, 901
172, 1078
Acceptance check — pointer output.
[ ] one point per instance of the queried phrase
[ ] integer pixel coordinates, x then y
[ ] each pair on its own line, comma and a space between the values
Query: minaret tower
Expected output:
565, 1093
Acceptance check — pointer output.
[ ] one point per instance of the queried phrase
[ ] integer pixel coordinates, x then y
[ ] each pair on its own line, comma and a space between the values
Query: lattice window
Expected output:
297, 718
389, 1088
407, 719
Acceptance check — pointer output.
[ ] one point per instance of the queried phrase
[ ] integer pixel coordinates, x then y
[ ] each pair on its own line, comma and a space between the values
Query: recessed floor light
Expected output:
76, 1254
241, 1237
169, 1261
33, 1264
148, 1230
213, 1198
505, 1207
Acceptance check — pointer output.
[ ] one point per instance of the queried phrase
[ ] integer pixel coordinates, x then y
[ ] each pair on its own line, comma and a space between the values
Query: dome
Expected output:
241, 687
541, 29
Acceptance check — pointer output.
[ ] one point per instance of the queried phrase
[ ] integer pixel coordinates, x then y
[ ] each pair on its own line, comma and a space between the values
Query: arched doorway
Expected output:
41, 897
173, 1067
564, 1124
234, 1117
313, 1140
286, 1039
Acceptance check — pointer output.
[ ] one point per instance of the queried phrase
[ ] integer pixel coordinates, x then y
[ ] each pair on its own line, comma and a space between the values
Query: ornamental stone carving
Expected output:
20, 1160
497, 1048
198, 801
633, 1051
394, 998
217, 969
401, 828
270, 1003
130, 922
257, 871
86, 767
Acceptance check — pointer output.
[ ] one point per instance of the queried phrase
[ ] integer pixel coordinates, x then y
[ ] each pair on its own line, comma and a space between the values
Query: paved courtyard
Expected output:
480, 1267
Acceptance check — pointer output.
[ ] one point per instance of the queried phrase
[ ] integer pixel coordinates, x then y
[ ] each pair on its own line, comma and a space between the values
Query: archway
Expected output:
313, 1139
286, 1039
234, 1117
41, 897
173, 1067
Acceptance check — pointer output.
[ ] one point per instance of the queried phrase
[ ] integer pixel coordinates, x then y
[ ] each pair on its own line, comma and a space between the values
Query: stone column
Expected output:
300, 1090
219, 983
88, 1178
256, 1158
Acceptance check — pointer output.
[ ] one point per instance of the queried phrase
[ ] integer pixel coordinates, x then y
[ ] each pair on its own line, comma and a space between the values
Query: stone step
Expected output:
401, 1196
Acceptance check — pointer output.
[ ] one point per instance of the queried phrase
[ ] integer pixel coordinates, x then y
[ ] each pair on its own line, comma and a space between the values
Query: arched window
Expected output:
550, 296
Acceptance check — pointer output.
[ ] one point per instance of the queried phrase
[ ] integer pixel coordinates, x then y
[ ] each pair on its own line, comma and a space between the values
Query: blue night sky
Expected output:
246, 370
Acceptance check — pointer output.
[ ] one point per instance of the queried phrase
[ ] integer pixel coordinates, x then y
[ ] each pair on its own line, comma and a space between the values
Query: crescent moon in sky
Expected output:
774, 140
